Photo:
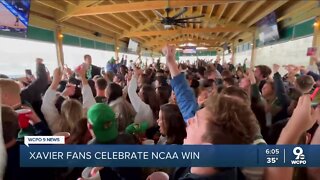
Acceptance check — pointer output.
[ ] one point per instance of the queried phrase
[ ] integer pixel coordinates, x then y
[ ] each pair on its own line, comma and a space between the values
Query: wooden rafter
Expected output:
101, 23
111, 20
53, 5
70, 8
298, 8
253, 7
235, 10
143, 6
187, 31
271, 7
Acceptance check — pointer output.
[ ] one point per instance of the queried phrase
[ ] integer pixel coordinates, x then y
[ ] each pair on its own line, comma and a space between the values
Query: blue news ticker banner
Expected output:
170, 156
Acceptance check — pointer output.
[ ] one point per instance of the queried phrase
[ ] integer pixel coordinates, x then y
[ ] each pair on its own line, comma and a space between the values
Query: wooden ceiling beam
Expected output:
188, 13
187, 31
299, 8
181, 40
60, 17
251, 9
68, 28
114, 22
271, 7
53, 5
314, 12
222, 8
133, 24
143, 6
235, 9
102, 24
122, 19
83, 22
72, 2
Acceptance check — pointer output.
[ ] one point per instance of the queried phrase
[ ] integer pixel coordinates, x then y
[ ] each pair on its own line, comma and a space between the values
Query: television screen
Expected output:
133, 46
268, 29
14, 16
189, 50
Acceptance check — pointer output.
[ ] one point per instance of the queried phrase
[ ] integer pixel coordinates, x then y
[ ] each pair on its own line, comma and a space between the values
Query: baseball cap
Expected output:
137, 127
103, 121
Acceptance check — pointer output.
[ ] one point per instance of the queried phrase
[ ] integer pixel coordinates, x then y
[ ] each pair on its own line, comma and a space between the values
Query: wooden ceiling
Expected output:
119, 20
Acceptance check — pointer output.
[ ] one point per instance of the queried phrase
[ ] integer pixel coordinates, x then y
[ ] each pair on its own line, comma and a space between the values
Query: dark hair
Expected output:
101, 84
174, 125
305, 83
164, 93
3, 76
150, 97
236, 92
162, 80
229, 80
144, 79
87, 56
10, 125
201, 70
265, 70
226, 74
115, 91
127, 139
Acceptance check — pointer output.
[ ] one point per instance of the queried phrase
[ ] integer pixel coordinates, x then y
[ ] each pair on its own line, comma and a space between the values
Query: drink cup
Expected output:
23, 120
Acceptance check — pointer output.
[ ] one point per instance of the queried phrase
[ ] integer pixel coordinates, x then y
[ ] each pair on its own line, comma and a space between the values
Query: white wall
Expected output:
290, 52
20, 54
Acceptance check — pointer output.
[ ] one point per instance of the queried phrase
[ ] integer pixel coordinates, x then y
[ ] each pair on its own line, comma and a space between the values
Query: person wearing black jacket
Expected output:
92, 69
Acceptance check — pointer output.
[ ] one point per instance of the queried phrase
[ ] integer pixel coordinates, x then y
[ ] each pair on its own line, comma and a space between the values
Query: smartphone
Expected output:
315, 97
28, 72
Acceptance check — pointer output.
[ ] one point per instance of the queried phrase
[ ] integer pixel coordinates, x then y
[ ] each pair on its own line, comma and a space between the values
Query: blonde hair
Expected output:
9, 86
71, 114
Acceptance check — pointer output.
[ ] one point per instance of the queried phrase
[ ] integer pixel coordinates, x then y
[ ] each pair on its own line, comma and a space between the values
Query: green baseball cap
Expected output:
137, 127
103, 121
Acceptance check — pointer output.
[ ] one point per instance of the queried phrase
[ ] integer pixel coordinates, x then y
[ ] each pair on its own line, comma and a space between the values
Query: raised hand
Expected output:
170, 52
57, 76
276, 68
32, 116
251, 76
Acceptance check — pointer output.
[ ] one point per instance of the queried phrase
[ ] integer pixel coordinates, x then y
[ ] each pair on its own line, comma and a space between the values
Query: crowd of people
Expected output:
179, 104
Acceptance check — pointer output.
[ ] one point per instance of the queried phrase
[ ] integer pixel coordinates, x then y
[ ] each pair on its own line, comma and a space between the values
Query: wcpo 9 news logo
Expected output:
300, 157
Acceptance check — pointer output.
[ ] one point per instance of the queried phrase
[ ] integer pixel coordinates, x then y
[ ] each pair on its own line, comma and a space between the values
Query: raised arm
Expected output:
135, 100
87, 96
48, 108
279, 86
300, 121
185, 98
34, 91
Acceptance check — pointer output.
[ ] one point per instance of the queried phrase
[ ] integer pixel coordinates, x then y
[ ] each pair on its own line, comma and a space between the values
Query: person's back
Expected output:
13, 170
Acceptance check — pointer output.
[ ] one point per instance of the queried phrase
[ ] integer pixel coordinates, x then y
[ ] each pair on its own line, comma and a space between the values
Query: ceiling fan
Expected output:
169, 22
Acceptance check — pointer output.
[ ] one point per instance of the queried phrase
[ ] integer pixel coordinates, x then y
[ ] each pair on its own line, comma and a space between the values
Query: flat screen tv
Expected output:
189, 50
14, 16
268, 29
132, 46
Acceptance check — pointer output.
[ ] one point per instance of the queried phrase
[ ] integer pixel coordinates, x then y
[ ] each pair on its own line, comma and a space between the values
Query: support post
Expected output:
233, 49
116, 48
253, 49
59, 40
